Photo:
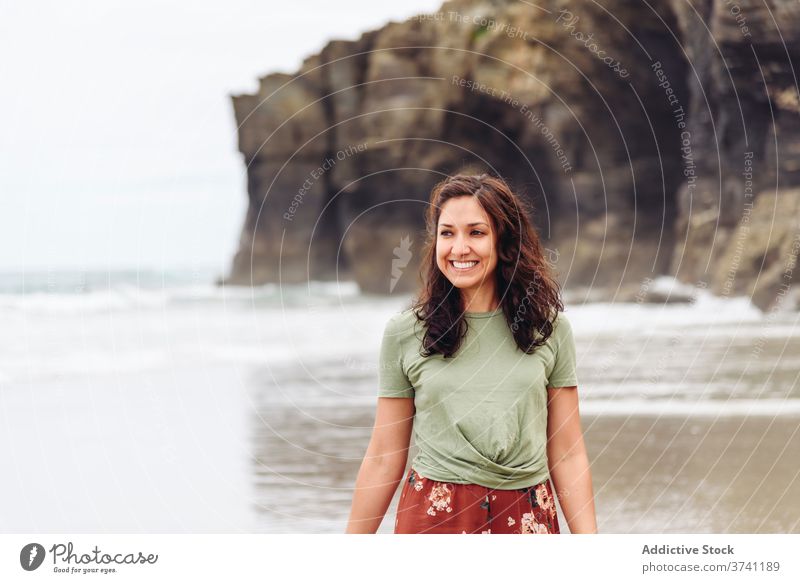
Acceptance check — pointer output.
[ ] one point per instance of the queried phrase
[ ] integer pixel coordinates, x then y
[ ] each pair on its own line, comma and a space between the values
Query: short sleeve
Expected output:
564, 372
392, 379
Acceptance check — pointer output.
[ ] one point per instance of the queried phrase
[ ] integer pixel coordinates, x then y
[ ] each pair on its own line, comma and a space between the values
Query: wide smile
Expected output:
463, 266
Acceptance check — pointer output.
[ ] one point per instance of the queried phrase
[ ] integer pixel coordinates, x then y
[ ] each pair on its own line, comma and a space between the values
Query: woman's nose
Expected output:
460, 247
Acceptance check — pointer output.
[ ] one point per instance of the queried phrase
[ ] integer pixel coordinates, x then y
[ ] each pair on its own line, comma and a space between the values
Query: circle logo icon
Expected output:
31, 556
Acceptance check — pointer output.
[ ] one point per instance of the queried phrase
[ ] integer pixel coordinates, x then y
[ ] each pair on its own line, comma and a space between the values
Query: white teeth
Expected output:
465, 264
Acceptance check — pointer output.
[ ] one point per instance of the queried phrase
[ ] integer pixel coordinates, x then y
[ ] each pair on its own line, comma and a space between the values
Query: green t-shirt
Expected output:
481, 416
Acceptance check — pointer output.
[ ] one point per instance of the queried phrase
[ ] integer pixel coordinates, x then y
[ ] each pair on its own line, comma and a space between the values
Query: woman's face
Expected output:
465, 243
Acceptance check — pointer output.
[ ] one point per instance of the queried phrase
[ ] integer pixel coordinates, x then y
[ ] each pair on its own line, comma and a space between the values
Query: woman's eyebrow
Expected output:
469, 225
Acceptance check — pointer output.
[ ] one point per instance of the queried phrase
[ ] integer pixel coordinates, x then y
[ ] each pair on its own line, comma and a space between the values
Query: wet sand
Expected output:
695, 474
650, 475
195, 452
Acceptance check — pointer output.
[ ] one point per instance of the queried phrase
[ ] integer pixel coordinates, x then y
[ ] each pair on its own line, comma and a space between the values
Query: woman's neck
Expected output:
479, 304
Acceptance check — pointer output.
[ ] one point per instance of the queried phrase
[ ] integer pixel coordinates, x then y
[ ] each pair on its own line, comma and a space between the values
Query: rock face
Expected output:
653, 138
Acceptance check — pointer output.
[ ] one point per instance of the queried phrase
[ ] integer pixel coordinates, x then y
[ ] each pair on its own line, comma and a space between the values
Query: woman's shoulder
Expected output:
403, 321
562, 321
562, 328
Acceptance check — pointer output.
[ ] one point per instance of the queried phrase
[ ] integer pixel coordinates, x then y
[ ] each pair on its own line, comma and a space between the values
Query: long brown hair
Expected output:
529, 293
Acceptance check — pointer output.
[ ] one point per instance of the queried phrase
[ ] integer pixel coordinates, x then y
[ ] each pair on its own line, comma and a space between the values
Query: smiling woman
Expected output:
483, 365
483, 252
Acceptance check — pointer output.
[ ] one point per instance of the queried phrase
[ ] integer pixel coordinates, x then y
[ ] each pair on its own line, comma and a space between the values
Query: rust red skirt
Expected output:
430, 507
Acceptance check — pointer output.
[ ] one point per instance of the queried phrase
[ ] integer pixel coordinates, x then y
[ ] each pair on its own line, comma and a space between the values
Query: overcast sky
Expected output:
117, 137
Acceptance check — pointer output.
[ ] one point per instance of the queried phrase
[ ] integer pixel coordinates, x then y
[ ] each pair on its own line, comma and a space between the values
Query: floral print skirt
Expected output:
430, 507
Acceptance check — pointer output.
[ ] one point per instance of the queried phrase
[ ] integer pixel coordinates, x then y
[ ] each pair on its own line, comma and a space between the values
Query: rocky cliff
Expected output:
658, 137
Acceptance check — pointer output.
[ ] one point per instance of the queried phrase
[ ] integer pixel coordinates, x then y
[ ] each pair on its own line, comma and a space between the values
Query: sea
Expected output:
160, 401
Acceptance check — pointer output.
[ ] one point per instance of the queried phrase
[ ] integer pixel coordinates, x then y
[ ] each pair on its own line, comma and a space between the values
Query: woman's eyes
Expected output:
473, 231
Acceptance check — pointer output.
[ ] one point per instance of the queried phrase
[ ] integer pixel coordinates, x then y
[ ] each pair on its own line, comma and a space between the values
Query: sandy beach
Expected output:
695, 475
159, 424
651, 475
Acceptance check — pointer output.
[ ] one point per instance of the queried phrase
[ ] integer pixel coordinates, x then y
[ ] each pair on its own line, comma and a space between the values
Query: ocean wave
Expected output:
126, 296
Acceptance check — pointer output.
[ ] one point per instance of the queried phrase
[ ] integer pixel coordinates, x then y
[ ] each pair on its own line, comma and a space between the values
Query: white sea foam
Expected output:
314, 330
128, 296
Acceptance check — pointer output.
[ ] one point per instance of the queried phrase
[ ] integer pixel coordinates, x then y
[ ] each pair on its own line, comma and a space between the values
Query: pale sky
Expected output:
117, 136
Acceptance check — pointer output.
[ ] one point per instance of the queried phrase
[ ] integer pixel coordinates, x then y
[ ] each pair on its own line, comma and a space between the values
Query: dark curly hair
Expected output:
529, 292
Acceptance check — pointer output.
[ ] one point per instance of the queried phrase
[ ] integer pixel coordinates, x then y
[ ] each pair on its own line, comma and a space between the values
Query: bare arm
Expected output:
383, 465
568, 461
